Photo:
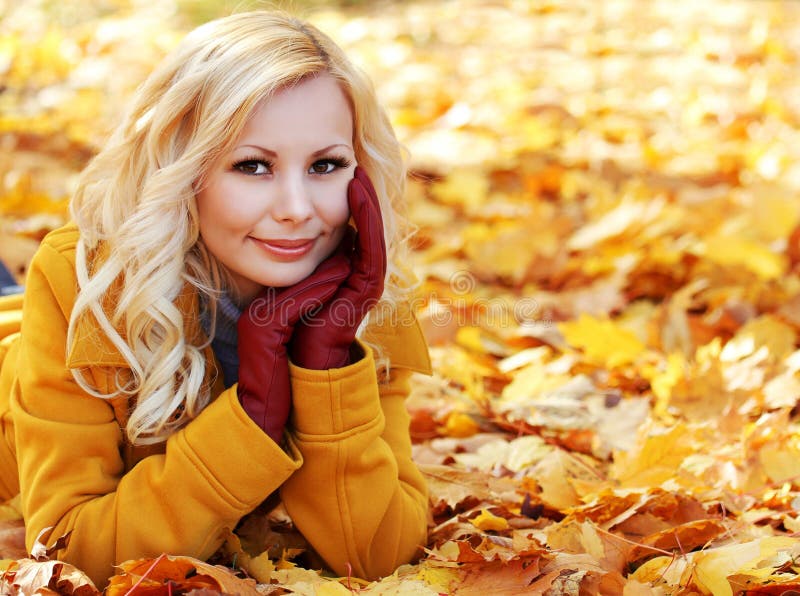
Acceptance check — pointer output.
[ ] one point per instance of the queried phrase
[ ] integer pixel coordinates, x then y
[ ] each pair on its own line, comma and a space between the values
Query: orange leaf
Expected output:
166, 575
684, 538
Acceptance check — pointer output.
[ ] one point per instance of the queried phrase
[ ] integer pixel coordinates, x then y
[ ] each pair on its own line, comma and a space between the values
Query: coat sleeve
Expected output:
72, 476
359, 498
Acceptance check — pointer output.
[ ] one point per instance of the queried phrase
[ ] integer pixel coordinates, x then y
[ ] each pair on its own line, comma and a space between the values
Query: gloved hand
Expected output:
323, 340
264, 330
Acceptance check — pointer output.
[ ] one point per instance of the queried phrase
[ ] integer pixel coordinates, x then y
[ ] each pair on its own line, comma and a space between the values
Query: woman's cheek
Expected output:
337, 212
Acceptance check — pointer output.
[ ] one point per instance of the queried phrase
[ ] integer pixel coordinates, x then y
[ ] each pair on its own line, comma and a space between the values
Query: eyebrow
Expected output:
317, 153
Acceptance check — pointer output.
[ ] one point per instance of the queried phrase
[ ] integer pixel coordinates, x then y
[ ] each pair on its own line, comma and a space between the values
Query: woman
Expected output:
209, 285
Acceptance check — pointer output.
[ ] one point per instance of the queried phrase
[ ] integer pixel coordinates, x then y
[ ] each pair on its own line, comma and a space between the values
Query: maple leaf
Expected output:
166, 574
39, 575
29, 576
602, 341
496, 577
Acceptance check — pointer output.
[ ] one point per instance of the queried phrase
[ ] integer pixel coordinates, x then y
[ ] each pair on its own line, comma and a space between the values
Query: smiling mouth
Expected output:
286, 250
289, 243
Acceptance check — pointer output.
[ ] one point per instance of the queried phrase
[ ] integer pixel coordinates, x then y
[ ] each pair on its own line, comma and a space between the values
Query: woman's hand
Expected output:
323, 340
264, 329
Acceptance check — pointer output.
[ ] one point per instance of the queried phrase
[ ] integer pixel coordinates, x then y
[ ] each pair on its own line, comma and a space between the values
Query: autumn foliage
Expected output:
606, 197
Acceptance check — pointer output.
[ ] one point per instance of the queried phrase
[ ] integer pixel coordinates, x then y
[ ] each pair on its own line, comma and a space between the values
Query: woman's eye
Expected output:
322, 166
329, 165
252, 167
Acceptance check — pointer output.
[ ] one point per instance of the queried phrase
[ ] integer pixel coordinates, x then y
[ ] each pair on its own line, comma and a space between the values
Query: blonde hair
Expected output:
137, 197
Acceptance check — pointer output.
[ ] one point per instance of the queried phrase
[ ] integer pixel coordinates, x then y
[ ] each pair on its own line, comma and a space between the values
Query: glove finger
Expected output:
348, 242
333, 264
314, 291
369, 259
361, 175
371, 220
284, 306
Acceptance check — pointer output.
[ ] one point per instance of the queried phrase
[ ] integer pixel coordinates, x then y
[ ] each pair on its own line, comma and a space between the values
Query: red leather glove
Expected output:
323, 340
264, 330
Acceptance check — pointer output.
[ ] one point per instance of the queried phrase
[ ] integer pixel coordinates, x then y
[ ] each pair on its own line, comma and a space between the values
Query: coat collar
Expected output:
92, 347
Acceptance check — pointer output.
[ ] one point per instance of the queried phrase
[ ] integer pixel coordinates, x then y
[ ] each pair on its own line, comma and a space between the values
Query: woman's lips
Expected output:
288, 250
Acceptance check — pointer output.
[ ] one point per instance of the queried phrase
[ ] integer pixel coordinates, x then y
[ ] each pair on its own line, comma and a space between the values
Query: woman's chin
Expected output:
288, 277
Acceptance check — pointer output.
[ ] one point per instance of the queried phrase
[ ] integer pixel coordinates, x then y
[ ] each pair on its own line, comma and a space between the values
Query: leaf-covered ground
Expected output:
609, 247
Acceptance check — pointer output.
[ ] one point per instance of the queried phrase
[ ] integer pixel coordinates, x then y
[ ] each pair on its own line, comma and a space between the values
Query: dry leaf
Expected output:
184, 573
28, 576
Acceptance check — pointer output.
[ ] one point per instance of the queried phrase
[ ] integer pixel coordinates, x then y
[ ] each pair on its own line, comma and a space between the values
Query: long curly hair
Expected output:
137, 197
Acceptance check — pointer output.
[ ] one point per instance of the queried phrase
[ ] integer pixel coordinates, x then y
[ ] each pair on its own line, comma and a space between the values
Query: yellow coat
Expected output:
346, 477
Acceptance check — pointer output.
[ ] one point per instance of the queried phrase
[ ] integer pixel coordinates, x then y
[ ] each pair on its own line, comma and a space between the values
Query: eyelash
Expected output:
337, 162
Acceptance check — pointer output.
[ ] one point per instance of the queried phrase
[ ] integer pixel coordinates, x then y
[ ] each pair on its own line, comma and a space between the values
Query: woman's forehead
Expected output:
316, 108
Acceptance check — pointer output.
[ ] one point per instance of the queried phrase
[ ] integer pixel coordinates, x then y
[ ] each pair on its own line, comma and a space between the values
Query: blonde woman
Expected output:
198, 338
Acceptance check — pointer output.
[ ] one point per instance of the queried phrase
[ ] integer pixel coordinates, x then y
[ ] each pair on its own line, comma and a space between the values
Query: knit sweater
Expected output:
225, 336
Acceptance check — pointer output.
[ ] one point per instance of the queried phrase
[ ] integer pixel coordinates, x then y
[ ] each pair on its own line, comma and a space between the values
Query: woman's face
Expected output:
275, 206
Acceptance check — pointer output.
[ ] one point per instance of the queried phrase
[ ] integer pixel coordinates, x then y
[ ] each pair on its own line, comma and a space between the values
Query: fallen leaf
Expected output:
29, 576
602, 342
181, 573
487, 521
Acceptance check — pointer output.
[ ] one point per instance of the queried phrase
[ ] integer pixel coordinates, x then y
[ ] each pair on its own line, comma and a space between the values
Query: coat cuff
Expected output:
337, 400
216, 453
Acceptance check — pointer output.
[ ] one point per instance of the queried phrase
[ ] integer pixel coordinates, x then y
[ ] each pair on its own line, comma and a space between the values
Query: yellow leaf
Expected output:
399, 586
666, 570
624, 216
284, 564
564, 478
663, 382
713, 566
487, 521
460, 425
537, 134
780, 460
332, 589
602, 341
532, 381
299, 580
576, 537
260, 568
659, 456
467, 187
507, 248
439, 577
774, 215
735, 251
478, 340
765, 331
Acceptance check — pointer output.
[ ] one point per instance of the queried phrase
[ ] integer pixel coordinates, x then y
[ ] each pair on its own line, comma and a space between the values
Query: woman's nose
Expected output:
294, 202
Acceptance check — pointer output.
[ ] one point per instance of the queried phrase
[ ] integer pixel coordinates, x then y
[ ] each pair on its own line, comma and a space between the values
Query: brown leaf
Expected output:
41, 552
458, 490
749, 585
154, 576
28, 576
683, 538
